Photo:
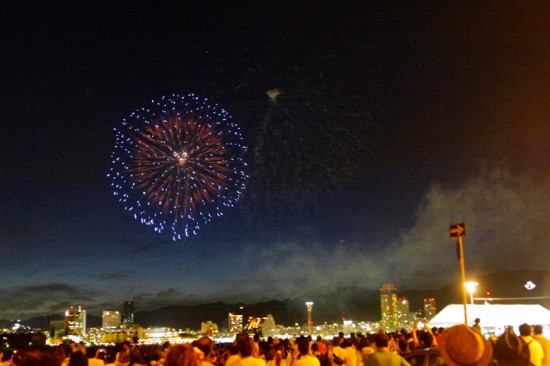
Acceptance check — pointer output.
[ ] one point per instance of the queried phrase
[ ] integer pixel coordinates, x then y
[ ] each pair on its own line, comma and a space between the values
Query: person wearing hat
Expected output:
511, 350
461, 345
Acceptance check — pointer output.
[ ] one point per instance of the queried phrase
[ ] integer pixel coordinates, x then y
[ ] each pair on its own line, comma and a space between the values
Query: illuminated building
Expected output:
388, 307
128, 312
96, 335
161, 334
75, 322
402, 312
269, 327
110, 319
429, 308
235, 323
309, 306
209, 329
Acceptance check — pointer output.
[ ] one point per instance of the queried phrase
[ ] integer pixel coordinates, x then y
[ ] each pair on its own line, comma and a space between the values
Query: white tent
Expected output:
493, 317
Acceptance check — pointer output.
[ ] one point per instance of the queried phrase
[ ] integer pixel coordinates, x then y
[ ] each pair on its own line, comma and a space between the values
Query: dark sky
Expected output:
393, 121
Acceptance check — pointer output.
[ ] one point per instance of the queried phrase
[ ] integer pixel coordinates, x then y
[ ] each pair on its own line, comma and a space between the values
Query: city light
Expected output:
471, 287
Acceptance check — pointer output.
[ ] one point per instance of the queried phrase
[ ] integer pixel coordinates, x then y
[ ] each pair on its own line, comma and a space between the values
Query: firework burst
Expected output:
178, 164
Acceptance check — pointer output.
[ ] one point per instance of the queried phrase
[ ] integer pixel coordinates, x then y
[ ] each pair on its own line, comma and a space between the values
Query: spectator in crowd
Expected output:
337, 354
181, 355
365, 348
544, 342
204, 347
476, 325
352, 354
137, 356
5, 357
78, 358
123, 356
98, 359
305, 358
383, 356
536, 353
231, 355
321, 345
245, 347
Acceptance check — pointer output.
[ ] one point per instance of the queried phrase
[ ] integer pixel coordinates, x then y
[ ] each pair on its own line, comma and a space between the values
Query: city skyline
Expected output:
369, 129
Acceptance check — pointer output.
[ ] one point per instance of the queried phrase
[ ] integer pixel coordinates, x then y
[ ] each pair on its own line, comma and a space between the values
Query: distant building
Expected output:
75, 322
160, 334
96, 335
235, 323
124, 333
403, 316
110, 319
429, 308
388, 307
128, 312
269, 327
209, 329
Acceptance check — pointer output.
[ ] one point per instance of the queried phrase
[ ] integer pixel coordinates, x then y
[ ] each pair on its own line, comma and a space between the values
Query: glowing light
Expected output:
178, 163
471, 287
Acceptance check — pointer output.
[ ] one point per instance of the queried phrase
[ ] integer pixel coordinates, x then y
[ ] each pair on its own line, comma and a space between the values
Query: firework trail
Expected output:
178, 164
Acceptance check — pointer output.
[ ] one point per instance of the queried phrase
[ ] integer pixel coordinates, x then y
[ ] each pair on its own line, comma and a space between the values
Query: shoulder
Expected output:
250, 361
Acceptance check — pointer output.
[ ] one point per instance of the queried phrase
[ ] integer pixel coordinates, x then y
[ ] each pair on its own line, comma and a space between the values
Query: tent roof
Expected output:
492, 315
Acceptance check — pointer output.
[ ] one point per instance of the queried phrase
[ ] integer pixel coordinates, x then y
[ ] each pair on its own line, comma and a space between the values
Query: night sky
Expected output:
394, 120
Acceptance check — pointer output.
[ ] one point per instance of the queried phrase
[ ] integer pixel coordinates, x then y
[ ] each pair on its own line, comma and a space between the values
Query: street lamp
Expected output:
471, 287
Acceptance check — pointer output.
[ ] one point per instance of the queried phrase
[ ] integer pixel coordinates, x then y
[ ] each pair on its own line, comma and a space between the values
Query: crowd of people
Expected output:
460, 345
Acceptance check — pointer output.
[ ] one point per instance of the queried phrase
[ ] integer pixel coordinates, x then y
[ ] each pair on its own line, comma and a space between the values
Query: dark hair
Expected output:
205, 344
136, 356
524, 329
180, 355
303, 346
78, 359
244, 345
381, 340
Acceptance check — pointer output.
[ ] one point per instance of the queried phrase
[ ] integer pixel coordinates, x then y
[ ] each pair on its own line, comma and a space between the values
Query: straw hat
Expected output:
461, 345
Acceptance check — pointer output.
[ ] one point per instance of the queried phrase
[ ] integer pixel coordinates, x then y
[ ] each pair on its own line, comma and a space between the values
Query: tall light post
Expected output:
471, 287
458, 231
309, 306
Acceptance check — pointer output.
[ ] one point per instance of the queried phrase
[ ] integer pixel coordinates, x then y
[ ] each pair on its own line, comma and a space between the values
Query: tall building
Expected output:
388, 307
402, 312
110, 319
75, 322
309, 306
128, 312
429, 308
235, 323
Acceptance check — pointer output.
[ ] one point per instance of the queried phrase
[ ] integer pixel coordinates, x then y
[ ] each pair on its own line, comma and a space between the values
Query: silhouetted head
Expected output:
244, 344
303, 346
525, 329
381, 340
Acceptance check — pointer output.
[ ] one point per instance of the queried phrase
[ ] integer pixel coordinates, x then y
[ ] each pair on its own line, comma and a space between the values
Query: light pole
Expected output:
309, 306
471, 287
